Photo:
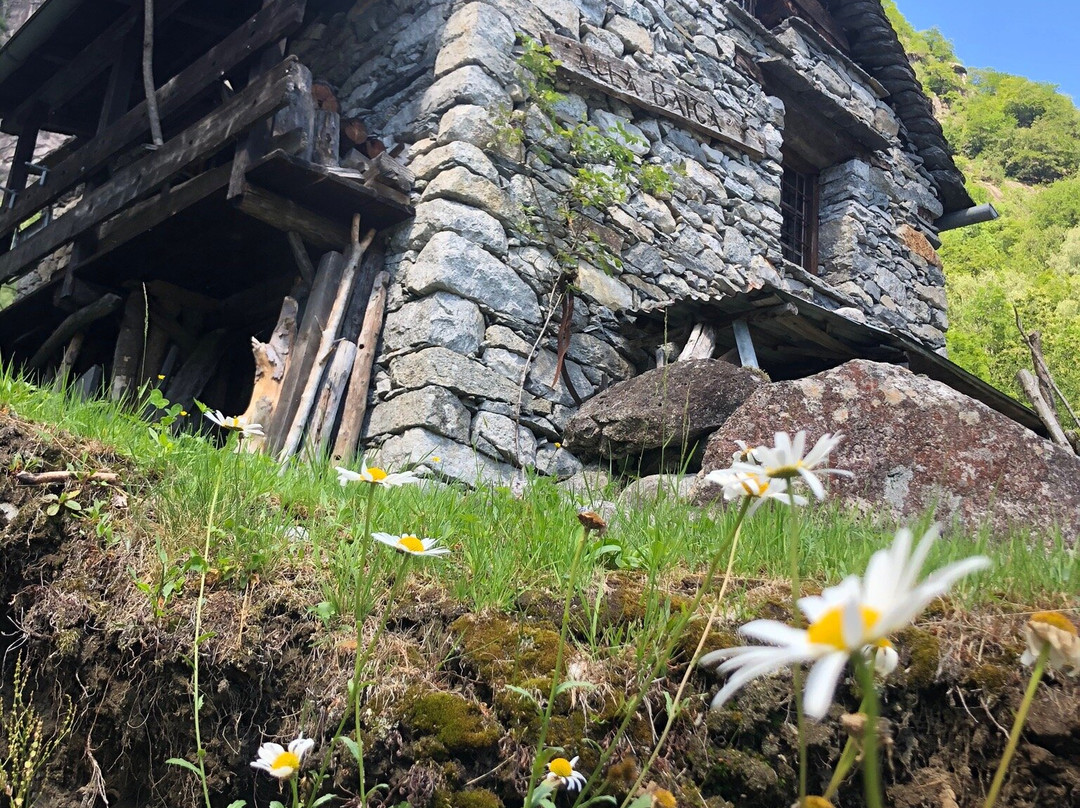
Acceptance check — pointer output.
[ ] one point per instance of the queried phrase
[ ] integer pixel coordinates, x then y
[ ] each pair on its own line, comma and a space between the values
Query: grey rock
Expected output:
649, 490
499, 336
669, 408
433, 408
593, 352
555, 461
450, 263
444, 457
633, 36
443, 367
466, 85
441, 319
500, 437
461, 185
472, 224
604, 289
469, 123
458, 153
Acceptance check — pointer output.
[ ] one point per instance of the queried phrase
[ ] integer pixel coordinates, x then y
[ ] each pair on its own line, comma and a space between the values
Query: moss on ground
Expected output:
446, 724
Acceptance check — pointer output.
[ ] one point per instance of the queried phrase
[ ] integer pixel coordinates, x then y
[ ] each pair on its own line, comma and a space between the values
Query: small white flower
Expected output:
375, 476
1055, 630
563, 774
410, 544
235, 424
283, 763
753, 485
883, 656
788, 459
843, 620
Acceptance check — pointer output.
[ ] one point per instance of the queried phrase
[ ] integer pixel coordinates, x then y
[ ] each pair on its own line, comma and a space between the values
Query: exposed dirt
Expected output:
441, 728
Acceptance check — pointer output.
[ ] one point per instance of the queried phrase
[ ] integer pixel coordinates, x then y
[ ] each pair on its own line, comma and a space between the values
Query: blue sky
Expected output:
1038, 39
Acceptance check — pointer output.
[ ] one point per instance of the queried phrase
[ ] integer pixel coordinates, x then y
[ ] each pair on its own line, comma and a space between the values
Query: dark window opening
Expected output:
749, 6
798, 204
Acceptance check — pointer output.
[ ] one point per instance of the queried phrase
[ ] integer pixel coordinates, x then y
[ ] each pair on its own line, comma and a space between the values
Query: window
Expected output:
798, 204
749, 6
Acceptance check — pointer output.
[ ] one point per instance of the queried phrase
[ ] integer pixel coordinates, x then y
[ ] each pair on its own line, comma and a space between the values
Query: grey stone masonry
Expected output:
469, 369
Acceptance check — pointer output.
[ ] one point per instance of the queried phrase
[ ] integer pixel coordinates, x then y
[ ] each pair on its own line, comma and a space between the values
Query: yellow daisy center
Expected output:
785, 472
829, 628
411, 543
1055, 619
815, 802
561, 767
286, 759
755, 486
377, 475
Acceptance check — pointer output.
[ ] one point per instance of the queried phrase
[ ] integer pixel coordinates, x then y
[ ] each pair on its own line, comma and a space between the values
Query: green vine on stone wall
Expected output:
605, 170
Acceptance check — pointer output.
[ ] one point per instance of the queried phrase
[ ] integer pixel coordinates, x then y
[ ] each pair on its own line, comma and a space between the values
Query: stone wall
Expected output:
474, 292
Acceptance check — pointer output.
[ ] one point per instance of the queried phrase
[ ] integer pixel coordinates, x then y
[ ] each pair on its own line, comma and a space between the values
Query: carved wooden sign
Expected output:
664, 96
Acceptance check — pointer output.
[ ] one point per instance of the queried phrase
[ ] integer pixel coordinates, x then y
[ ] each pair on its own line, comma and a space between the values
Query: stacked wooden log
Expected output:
312, 378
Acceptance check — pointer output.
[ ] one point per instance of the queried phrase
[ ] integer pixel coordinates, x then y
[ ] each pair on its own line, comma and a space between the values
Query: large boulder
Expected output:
669, 409
913, 445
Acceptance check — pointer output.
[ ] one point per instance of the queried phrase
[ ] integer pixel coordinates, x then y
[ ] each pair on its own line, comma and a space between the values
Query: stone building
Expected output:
809, 183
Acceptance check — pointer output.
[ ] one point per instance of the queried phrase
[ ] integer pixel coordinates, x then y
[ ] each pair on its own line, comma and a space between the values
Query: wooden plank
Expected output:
288, 216
271, 359
745, 344
804, 328
20, 171
188, 382
267, 25
327, 138
130, 183
127, 354
325, 415
302, 357
355, 406
151, 212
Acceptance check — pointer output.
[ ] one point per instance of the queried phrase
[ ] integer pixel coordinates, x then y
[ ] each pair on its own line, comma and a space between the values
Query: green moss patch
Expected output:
446, 724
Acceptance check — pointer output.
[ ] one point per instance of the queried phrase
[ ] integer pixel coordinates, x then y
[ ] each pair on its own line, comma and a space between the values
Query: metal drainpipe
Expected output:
966, 217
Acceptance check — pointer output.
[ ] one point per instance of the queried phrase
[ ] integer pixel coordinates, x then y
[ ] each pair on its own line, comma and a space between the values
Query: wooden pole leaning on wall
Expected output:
326, 341
330, 396
271, 360
1030, 386
352, 416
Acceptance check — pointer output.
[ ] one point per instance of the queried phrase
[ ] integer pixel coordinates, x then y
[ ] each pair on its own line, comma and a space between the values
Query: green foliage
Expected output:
1018, 141
605, 171
26, 746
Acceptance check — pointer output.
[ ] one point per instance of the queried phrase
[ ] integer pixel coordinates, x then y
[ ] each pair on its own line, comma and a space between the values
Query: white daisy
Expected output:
843, 620
788, 459
235, 424
408, 543
282, 763
754, 485
563, 774
374, 475
1055, 630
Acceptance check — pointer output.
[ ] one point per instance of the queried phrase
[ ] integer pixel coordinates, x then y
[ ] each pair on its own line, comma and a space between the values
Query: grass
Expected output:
275, 523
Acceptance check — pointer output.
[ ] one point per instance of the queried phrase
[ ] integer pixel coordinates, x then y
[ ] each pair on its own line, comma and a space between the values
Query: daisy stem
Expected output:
847, 760
559, 654
359, 597
200, 753
796, 617
1018, 725
295, 791
674, 711
871, 770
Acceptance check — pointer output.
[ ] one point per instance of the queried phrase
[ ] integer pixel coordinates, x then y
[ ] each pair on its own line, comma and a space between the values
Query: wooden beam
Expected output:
747, 356
136, 180
73, 324
140, 217
289, 216
20, 171
804, 328
265, 26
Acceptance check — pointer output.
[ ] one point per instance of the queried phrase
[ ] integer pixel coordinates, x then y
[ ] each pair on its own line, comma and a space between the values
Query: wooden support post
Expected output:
302, 356
148, 73
24, 153
128, 353
747, 355
352, 416
189, 381
271, 359
303, 262
67, 363
327, 137
325, 415
73, 324
157, 341
326, 341
298, 116
701, 344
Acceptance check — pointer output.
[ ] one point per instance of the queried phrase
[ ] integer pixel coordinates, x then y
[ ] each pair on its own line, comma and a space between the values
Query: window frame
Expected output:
799, 244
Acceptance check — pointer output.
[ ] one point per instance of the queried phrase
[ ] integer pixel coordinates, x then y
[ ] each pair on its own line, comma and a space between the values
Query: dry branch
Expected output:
51, 477
1030, 386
